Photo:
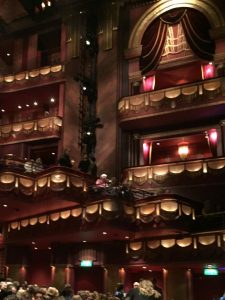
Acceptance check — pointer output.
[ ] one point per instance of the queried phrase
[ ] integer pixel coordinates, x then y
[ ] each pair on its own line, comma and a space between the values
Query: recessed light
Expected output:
5, 205
35, 248
33, 243
158, 144
35, 103
27, 105
127, 237
84, 241
104, 232
8, 54
2, 110
52, 100
49, 248
19, 106
53, 153
144, 267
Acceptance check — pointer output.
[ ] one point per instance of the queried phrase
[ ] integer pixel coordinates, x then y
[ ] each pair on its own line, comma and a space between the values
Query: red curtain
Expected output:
196, 29
152, 45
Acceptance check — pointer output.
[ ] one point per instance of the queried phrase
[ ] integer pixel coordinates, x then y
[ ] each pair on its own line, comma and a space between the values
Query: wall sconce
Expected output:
183, 151
148, 83
208, 71
146, 153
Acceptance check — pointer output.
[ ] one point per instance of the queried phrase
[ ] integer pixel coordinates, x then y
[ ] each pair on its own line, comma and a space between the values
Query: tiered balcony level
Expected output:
205, 94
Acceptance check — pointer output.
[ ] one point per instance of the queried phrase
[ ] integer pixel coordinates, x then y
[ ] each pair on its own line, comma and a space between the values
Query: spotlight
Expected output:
88, 43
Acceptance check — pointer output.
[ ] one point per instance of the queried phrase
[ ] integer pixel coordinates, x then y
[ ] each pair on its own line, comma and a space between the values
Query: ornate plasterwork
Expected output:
206, 7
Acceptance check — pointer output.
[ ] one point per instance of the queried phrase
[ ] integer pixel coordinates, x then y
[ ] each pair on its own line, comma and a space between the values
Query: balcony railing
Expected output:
139, 176
172, 98
55, 179
27, 130
30, 77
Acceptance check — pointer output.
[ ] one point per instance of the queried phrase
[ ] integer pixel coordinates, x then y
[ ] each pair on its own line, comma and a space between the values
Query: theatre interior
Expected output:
112, 144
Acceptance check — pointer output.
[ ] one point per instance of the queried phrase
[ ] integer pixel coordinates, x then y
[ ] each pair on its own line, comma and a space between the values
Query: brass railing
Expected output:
172, 98
145, 174
25, 75
24, 129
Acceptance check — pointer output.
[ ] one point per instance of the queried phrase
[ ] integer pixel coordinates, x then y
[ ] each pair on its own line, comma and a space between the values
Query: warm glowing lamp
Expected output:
146, 152
213, 136
183, 151
208, 71
148, 83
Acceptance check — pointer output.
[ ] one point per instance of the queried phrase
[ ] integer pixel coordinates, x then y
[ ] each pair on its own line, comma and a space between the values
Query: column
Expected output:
32, 52
177, 284
58, 280
63, 43
18, 55
113, 275
222, 135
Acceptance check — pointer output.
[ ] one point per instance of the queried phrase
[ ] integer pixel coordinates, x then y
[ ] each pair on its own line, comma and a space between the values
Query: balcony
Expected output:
43, 128
135, 110
42, 75
181, 177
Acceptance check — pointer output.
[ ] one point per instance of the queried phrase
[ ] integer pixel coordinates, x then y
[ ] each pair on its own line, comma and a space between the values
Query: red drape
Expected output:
196, 28
152, 45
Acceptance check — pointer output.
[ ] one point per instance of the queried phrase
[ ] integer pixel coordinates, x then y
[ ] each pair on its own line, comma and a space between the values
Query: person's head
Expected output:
38, 295
52, 292
146, 288
136, 284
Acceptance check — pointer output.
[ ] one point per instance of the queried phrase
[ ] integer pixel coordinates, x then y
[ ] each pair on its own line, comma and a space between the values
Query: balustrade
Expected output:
24, 130
168, 99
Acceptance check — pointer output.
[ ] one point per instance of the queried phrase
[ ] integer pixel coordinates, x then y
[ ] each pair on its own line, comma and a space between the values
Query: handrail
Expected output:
142, 174
27, 127
26, 75
174, 96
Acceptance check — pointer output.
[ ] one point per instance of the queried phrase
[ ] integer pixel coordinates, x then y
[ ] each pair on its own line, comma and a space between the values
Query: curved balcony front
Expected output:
30, 78
30, 130
174, 103
199, 180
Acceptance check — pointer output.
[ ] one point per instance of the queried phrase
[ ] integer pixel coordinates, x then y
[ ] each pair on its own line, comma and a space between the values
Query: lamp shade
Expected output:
183, 151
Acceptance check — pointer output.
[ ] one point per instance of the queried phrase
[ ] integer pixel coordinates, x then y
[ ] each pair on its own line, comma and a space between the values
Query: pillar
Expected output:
58, 276
113, 274
32, 52
222, 137
177, 284
18, 55
63, 43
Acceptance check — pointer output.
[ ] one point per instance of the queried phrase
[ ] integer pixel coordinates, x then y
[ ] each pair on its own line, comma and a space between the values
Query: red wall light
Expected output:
208, 71
146, 148
213, 136
148, 83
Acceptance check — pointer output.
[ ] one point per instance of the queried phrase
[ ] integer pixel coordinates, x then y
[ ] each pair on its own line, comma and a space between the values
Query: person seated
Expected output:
103, 181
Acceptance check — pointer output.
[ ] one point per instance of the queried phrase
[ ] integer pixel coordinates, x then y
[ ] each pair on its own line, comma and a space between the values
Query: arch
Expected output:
206, 7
